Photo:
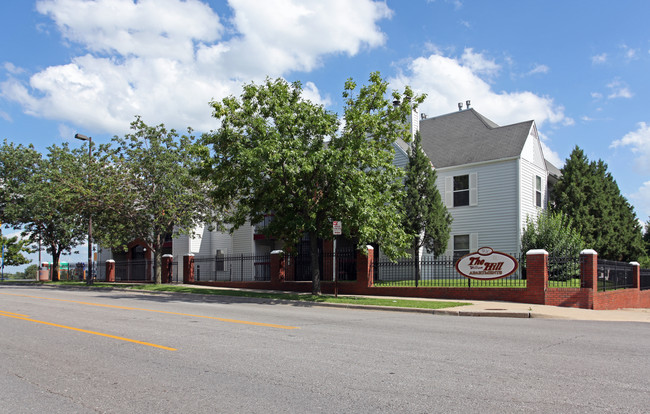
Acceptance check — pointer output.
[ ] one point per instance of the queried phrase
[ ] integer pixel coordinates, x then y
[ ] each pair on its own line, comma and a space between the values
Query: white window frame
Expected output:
537, 191
473, 190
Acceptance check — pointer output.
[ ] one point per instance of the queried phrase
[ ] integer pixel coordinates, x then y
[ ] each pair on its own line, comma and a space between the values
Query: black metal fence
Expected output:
645, 279
564, 271
134, 271
614, 275
436, 272
237, 268
298, 267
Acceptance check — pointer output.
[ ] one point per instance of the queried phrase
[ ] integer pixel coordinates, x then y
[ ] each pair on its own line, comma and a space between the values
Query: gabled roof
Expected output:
466, 137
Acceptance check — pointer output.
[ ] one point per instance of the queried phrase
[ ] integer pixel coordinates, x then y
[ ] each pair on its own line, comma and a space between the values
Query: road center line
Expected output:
268, 325
9, 315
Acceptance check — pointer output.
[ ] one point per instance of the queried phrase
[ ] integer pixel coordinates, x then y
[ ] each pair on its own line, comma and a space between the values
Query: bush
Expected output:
554, 232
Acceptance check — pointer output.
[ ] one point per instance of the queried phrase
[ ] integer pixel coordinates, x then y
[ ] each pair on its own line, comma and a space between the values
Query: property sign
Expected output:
337, 227
486, 264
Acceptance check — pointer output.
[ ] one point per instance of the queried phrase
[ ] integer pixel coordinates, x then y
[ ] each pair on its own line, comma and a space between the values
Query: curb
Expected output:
456, 311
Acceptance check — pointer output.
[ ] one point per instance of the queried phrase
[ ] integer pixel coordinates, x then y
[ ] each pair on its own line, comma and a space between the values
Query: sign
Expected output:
337, 227
486, 264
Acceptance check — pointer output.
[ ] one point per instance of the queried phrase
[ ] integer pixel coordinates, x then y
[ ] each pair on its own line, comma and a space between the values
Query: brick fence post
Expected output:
636, 274
537, 274
167, 261
277, 266
110, 270
589, 269
365, 268
188, 268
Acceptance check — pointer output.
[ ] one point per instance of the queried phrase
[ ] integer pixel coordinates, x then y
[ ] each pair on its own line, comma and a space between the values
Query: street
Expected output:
87, 351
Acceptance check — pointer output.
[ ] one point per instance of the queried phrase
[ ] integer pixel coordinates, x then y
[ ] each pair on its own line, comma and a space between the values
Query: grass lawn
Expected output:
374, 301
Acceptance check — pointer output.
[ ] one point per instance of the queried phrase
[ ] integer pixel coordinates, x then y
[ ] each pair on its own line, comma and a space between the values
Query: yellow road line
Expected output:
88, 332
5, 313
268, 325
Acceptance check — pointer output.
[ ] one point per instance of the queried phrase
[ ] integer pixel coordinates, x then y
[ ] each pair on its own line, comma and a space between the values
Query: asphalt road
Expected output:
62, 352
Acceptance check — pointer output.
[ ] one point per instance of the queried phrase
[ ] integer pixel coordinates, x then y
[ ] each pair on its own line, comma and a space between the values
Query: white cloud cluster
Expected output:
639, 141
166, 59
619, 89
448, 80
642, 201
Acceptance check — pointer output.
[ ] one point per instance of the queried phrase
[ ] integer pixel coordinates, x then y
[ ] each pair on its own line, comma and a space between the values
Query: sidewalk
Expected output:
495, 309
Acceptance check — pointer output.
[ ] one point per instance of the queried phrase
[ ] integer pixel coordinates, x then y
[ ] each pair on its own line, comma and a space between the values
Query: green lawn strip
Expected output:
374, 301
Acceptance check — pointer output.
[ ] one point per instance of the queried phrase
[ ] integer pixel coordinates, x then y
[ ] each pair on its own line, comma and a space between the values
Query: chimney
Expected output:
467, 103
460, 106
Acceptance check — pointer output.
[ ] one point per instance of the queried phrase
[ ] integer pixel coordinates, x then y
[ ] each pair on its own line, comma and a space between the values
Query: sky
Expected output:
579, 70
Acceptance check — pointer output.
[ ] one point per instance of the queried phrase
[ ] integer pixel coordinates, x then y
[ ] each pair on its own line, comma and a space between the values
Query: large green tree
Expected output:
14, 250
153, 192
277, 152
41, 196
588, 194
426, 218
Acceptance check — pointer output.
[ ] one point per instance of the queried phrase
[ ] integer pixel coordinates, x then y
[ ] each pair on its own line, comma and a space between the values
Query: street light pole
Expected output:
89, 273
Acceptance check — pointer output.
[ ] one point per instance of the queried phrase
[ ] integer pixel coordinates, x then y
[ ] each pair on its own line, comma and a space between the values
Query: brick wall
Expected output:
536, 292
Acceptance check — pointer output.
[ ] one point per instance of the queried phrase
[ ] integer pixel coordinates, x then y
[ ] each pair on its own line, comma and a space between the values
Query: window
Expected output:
461, 245
461, 190
538, 191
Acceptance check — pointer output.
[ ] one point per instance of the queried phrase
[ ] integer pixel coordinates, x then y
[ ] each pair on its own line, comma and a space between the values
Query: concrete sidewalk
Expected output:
494, 309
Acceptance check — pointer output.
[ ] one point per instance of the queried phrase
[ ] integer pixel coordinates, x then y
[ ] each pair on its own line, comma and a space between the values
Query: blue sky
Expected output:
578, 69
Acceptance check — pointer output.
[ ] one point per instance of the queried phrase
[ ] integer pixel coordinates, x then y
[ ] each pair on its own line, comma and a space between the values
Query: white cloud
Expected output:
619, 89
13, 69
642, 201
166, 59
478, 64
599, 59
447, 81
549, 154
630, 53
597, 95
5, 116
539, 69
639, 141
311, 93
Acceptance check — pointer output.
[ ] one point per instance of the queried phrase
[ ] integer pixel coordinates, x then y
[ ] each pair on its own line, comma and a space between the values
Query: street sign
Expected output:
337, 227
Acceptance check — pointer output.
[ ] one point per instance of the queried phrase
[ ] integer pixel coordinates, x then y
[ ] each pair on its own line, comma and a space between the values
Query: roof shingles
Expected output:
467, 137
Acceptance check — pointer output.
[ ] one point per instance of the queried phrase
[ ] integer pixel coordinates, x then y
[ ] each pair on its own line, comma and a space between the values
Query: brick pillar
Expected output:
537, 274
365, 268
188, 268
167, 261
277, 266
636, 272
589, 269
110, 270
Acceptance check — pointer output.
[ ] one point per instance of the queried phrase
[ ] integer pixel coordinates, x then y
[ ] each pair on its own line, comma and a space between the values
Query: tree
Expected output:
589, 195
276, 152
157, 194
14, 249
41, 196
553, 232
31, 272
426, 218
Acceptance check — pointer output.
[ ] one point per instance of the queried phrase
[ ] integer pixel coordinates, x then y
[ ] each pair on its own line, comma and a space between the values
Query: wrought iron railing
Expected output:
614, 275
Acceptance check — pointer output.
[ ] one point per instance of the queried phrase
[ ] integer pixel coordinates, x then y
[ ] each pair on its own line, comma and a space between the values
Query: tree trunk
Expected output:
416, 263
313, 258
157, 260
55, 264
